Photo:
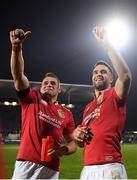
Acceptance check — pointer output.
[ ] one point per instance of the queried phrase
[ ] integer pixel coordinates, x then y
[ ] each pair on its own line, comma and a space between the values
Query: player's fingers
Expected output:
95, 32
79, 139
27, 34
11, 33
83, 130
51, 151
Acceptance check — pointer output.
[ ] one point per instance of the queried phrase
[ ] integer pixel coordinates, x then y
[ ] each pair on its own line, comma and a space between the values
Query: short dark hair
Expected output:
51, 74
105, 64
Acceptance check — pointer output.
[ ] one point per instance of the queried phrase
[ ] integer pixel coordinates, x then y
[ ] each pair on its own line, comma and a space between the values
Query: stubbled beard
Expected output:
101, 87
50, 95
47, 95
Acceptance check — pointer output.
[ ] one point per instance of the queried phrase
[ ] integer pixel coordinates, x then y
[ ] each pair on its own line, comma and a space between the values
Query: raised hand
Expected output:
101, 36
17, 36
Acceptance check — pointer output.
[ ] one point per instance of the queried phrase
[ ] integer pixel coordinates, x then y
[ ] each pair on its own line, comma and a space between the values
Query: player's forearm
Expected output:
80, 144
17, 65
17, 70
70, 148
119, 63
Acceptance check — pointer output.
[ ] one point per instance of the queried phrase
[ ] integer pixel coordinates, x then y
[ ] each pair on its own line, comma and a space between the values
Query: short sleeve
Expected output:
70, 126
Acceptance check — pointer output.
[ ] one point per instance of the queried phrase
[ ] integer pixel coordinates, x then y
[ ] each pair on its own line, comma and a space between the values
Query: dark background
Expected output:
61, 39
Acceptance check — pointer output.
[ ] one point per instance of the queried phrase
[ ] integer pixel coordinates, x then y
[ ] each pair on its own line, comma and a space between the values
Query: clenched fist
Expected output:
17, 36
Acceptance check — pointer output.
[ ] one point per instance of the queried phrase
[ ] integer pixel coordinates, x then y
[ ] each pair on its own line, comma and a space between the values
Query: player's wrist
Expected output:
80, 144
65, 150
108, 47
17, 47
82, 126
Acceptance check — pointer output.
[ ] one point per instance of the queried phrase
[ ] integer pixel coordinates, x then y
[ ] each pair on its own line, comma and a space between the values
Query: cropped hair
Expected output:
105, 64
50, 74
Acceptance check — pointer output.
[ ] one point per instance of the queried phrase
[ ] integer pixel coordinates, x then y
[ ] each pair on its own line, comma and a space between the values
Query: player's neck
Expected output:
98, 93
51, 100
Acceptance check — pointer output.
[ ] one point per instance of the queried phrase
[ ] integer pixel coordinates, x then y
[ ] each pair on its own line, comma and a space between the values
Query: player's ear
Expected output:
59, 90
111, 78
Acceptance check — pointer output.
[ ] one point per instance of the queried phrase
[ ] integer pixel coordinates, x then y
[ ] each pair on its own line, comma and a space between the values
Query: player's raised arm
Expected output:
123, 82
17, 37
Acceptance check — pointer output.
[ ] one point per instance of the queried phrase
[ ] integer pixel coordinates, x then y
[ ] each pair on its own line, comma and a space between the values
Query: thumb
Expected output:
95, 33
26, 34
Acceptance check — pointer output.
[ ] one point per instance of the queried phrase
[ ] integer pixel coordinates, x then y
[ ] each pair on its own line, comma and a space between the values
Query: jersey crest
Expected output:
61, 113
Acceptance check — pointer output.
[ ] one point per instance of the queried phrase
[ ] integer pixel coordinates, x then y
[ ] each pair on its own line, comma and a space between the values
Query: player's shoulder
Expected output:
89, 104
110, 92
64, 108
34, 89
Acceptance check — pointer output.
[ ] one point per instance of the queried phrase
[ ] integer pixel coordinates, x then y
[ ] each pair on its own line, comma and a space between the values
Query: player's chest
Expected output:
98, 110
52, 116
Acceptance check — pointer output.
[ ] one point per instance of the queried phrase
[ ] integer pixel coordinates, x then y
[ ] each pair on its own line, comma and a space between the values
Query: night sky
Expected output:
61, 39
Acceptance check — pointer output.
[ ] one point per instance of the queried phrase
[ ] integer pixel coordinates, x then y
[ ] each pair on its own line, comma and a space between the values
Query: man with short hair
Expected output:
104, 118
44, 121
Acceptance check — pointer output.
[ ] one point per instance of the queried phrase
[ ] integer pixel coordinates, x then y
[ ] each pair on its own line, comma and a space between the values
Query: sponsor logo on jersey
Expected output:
52, 121
109, 158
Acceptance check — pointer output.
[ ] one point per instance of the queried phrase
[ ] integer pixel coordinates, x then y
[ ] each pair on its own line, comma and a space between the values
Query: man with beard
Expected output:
44, 121
104, 118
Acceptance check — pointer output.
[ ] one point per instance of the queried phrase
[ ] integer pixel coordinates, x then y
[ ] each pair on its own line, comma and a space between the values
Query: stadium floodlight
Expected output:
6, 103
70, 106
14, 103
118, 32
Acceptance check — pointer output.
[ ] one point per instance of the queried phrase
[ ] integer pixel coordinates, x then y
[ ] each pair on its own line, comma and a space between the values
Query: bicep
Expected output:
21, 84
122, 88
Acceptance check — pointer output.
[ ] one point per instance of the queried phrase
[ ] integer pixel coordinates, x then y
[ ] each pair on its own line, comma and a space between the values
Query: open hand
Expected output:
100, 34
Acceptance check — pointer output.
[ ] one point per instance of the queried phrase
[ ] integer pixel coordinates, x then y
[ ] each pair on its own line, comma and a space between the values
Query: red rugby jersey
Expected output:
40, 119
107, 116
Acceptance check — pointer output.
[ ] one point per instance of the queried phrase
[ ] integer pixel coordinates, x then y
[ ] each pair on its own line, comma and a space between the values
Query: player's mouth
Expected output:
99, 80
